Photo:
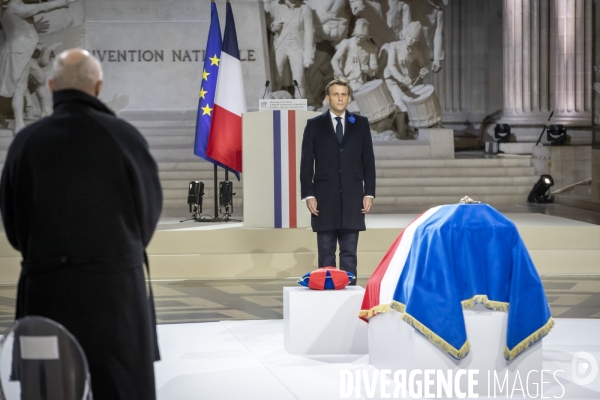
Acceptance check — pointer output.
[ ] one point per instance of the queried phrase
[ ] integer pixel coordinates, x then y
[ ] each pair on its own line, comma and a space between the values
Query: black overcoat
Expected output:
337, 174
80, 199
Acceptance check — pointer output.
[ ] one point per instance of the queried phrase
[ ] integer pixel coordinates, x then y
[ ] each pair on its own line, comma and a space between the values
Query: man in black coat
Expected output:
337, 177
80, 199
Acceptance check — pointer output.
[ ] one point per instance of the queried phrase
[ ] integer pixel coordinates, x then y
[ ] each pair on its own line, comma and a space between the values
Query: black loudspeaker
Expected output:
557, 135
195, 193
502, 132
226, 194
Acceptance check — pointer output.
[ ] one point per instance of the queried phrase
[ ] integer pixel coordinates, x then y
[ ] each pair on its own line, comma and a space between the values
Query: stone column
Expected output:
571, 47
526, 62
463, 83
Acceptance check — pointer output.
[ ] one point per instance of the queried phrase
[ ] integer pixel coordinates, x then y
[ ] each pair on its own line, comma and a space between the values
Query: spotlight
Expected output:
541, 190
195, 193
557, 135
226, 198
502, 132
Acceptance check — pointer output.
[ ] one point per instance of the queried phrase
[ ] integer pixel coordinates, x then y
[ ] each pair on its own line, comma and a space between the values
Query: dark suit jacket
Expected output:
80, 199
337, 174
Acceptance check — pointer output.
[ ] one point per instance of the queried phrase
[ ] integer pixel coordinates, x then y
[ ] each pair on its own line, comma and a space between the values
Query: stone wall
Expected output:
152, 51
501, 60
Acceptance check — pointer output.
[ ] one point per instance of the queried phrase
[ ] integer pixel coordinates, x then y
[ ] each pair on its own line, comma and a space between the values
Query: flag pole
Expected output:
216, 194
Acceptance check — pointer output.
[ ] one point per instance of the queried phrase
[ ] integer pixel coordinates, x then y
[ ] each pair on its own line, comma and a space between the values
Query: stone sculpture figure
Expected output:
430, 13
355, 59
332, 19
294, 39
406, 68
374, 12
406, 65
359, 6
398, 16
17, 64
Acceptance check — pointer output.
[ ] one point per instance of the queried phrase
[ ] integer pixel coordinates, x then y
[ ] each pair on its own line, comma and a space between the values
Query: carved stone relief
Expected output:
25, 54
384, 48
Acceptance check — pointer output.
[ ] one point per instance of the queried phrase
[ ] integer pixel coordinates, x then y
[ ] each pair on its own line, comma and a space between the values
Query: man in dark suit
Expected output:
337, 177
80, 199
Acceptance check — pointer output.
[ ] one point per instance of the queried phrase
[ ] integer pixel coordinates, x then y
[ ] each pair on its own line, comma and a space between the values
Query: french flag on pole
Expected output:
225, 139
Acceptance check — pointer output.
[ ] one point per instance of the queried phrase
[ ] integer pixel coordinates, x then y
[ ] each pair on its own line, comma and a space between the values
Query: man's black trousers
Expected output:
327, 242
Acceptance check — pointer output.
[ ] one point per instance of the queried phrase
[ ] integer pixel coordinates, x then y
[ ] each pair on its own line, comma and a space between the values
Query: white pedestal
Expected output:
323, 321
395, 345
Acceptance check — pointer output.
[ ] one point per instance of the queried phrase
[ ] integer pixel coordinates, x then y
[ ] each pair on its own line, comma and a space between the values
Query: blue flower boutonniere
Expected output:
351, 119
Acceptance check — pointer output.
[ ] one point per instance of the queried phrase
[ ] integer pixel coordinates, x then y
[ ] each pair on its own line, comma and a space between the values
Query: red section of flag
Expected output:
225, 140
292, 167
371, 298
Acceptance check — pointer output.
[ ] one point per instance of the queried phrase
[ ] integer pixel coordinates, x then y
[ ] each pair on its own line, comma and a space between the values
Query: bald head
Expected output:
76, 69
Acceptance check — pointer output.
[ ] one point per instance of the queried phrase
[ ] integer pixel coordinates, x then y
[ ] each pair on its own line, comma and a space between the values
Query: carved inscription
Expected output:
161, 55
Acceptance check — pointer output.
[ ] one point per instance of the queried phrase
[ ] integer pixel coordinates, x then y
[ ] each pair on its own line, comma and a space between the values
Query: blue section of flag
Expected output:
277, 166
208, 86
465, 251
230, 43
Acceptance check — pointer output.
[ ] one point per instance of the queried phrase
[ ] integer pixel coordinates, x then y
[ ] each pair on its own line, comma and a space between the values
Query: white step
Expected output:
465, 181
455, 172
437, 200
460, 192
455, 163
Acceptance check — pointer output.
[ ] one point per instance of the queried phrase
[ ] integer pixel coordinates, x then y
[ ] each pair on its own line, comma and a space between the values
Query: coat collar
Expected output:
77, 96
349, 126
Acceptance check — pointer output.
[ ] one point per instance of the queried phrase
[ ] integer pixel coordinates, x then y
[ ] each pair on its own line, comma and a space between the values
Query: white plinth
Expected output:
395, 345
323, 321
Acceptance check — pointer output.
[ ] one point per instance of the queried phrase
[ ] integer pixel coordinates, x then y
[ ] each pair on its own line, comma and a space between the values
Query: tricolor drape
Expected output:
450, 258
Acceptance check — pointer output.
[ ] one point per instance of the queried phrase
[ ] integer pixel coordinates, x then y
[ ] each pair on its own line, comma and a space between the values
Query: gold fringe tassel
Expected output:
435, 339
529, 341
382, 308
483, 299
466, 304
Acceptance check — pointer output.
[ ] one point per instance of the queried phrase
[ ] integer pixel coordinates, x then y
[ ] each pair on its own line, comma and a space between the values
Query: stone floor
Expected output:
189, 301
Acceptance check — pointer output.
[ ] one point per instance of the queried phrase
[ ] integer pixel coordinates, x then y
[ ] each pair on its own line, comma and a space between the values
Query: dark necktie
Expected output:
339, 129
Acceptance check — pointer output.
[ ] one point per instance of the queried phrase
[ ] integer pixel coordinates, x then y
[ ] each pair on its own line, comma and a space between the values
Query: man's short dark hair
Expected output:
341, 82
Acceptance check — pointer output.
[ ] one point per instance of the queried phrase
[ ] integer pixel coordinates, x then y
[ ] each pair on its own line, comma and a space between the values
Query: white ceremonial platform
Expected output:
323, 321
247, 360
394, 345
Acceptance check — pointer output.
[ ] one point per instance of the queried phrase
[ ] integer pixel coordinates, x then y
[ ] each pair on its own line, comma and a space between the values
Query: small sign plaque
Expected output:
282, 104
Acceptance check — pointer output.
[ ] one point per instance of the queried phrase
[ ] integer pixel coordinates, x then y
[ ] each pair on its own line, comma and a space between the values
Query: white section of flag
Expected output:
285, 172
392, 274
230, 93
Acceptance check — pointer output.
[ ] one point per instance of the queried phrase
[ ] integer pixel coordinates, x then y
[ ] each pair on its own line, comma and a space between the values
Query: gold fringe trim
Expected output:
436, 340
466, 304
483, 299
382, 308
529, 341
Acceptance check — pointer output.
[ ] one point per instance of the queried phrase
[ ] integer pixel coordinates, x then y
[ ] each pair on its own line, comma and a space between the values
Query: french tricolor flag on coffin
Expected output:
450, 258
